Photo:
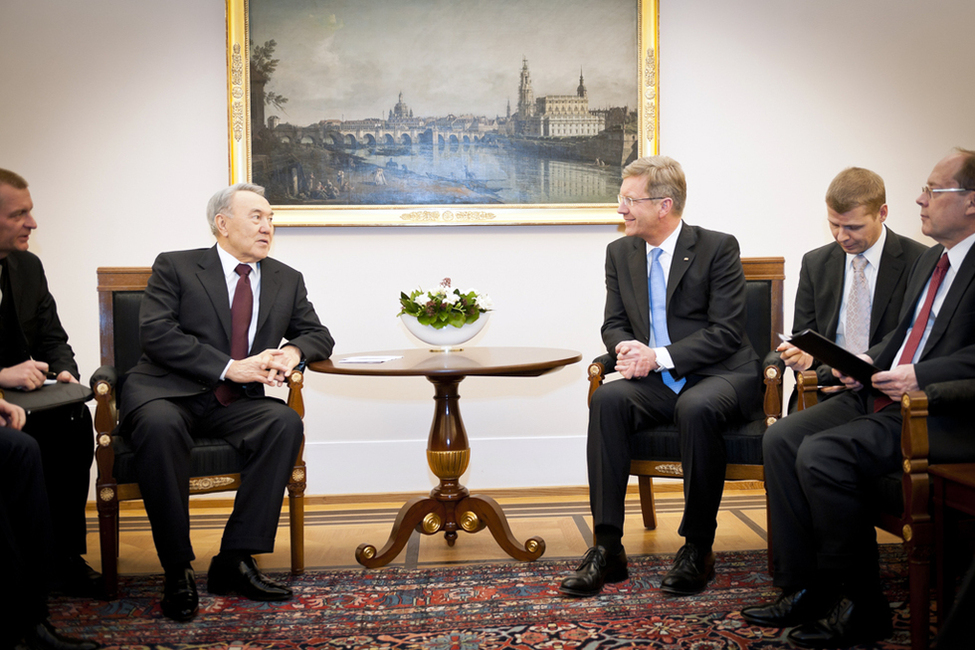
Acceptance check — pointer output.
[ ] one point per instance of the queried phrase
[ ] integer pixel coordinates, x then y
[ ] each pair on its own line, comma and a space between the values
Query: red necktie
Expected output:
920, 324
240, 322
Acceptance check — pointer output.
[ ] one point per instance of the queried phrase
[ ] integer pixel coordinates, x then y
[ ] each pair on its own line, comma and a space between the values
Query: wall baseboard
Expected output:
581, 492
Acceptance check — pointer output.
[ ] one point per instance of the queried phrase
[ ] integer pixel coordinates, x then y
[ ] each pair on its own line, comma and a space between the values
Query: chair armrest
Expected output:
950, 397
104, 383
773, 368
296, 380
105, 373
601, 366
807, 383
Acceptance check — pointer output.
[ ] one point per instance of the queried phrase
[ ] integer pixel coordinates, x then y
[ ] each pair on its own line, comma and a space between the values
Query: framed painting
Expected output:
440, 112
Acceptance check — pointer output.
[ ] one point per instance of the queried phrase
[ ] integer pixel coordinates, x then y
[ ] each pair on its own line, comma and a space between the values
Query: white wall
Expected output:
115, 111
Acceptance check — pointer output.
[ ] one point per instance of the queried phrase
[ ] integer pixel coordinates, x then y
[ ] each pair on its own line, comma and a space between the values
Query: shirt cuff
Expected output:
664, 362
223, 375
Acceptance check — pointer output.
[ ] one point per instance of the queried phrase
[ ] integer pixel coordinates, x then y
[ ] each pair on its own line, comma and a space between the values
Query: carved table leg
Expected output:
419, 512
478, 511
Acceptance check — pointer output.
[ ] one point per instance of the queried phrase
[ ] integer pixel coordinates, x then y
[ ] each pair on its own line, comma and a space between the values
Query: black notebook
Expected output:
828, 352
48, 396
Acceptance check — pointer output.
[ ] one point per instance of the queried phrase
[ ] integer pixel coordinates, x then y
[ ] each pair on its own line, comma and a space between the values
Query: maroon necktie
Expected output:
240, 322
920, 324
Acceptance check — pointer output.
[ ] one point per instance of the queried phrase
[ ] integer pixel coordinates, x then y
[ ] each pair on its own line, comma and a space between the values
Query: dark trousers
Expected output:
265, 432
25, 534
701, 412
67, 443
816, 464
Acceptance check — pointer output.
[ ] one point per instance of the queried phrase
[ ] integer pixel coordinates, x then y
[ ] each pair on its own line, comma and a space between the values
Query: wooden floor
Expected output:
335, 526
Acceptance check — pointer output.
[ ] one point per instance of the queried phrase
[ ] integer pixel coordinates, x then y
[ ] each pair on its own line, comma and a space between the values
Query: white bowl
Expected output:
447, 336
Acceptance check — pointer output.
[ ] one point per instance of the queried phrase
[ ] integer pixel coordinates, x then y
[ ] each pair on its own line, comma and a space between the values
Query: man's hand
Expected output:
12, 415
270, 367
794, 357
65, 377
850, 382
28, 375
896, 382
634, 359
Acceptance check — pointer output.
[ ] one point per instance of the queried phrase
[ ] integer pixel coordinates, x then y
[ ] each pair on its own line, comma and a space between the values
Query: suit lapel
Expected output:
270, 285
640, 271
963, 278
215, 284
891, 268
682, 259
835, 269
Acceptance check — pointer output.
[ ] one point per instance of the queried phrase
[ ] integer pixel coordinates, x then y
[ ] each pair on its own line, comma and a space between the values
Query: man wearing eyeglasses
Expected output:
816, 460
851, 290
675, 321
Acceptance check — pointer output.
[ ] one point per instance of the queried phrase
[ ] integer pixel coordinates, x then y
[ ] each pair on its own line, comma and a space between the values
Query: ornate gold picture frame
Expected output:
544, 158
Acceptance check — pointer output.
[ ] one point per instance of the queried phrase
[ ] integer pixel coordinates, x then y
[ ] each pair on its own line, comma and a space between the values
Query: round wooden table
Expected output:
450, 505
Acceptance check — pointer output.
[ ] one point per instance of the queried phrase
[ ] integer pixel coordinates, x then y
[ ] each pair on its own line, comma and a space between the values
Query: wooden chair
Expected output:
215, 465
903, 499
656, 451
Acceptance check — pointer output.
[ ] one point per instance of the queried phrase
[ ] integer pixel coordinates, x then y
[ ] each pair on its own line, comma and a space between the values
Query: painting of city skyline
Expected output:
440, 112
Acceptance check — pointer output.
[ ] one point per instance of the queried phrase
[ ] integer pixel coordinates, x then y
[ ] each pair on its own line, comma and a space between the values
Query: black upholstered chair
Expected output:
656, 451
215, 465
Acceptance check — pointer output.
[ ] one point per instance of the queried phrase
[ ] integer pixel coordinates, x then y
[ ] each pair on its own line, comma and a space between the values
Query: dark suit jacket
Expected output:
184, 325
44, 339
705, 308
821, 291
949, 352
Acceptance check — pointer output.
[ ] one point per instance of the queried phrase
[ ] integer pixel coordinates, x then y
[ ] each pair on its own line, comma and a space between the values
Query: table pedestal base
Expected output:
450, 505
429, 516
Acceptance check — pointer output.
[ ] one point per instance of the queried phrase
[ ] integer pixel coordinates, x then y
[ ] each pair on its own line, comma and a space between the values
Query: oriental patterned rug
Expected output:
507, 605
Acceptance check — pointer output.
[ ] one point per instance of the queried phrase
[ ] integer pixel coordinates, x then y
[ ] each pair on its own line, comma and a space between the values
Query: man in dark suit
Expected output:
675, 320
816, 460
25, 540
851, 290
34, 347
211, 324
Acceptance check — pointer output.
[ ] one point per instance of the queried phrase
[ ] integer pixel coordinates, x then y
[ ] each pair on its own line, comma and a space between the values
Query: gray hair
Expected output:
220, 202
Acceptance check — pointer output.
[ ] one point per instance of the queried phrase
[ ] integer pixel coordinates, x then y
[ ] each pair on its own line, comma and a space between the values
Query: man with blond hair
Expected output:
675, 322
818, 460
851, 290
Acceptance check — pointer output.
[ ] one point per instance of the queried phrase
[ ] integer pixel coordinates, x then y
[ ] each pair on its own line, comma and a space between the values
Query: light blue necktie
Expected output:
658, 315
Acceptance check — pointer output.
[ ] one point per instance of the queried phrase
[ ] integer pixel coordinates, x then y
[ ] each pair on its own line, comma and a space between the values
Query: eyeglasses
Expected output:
931, 191
629, 200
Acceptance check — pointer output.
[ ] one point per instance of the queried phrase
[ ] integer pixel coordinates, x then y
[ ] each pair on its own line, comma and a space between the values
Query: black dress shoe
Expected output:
596, 569
180, 600
790, 609
691, 572
43, 636
848, 623
239, 574
74, 577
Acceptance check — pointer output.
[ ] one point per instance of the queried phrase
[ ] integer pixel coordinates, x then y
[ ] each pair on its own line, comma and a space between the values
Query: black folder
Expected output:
48, 396
829, 353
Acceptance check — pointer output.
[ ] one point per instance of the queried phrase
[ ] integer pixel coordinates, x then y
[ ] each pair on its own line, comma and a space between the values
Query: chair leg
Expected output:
296, 518
646, 502
768, 534
919, 581
108, 531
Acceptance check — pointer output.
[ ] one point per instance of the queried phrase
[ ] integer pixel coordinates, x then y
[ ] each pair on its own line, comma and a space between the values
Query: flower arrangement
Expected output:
445, 305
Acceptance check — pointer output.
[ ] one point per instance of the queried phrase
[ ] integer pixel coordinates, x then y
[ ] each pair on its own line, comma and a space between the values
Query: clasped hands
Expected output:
30, 375
270, 367
892, 383
635, 359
